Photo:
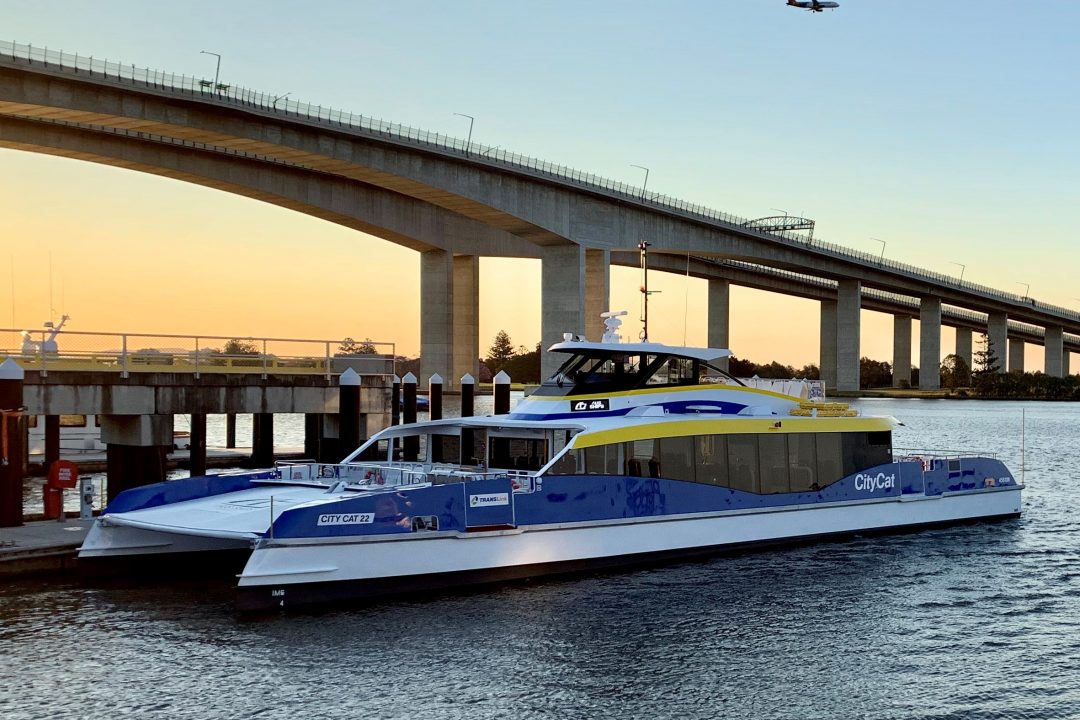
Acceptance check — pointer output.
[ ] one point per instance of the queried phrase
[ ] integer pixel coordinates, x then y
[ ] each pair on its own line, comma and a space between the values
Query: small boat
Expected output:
630, 453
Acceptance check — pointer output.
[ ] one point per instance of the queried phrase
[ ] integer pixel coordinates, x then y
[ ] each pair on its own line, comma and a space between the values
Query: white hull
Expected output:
279, 564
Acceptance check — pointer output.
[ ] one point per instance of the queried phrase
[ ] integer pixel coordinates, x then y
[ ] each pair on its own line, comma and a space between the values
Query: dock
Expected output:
44, 546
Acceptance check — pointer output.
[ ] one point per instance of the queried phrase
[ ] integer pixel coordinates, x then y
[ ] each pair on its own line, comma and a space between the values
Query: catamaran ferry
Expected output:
629, 453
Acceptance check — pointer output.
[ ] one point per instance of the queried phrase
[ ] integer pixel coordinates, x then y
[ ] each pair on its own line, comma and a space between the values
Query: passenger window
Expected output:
712, 460
677, 458
774, 463
802, 461
829, 465
743, 463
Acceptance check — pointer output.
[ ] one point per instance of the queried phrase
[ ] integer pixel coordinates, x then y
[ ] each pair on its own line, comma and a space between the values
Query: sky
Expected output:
940, 133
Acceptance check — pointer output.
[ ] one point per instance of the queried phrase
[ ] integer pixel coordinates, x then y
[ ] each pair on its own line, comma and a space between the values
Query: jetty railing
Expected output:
125, 353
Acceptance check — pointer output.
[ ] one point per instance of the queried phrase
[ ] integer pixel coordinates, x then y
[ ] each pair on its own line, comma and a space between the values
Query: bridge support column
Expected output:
449, 315
720, 318
997, 333
963, 345
901, 351
136, 446
197, 446
1016, 355
597, 292
930, 343
848, 306
1055, 349
827, 363
562, 299
1065, 363
466, 337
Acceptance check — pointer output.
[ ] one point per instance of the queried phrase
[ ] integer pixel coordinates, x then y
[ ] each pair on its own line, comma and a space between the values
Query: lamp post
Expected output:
882, 256
217, 69
962, 268
280, 97
468, 143
1027, 288
646, 183
786, 213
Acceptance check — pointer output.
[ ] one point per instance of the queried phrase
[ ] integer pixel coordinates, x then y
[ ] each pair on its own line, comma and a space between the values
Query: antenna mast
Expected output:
643, 246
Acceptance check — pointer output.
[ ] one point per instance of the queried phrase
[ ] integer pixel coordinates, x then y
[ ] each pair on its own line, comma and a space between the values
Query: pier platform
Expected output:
44, 546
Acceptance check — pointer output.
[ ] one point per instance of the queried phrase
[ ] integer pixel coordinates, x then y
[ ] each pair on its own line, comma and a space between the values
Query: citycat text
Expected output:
873, 483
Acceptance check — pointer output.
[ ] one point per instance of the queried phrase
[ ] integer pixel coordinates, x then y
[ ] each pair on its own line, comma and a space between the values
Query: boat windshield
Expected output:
601, 371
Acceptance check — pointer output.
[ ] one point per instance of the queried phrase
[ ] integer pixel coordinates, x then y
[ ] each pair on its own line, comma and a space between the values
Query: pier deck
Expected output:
44, 546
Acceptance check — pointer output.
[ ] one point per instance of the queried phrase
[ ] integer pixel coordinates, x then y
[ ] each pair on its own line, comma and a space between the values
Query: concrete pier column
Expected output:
997, 332
13, 426
230, 430
848, 306
562, 299
930, 343
197, 447
52, 440
313, 436
1016, 355
466, 336
262, 439
597, 291
436, 312
348, 412
827, 363
720, 318
1065, 363
1055, 349
136, 446
963, 345
901, 351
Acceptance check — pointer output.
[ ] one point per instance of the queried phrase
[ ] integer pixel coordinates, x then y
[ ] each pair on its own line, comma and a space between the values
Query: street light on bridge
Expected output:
786, 213
646, 183
280, 97
962, 268
468, 143
1027, 288
217, 69
882, 256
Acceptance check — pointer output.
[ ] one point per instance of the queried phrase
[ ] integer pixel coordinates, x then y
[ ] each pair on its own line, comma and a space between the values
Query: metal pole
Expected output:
468, 143
217, 68
646, 183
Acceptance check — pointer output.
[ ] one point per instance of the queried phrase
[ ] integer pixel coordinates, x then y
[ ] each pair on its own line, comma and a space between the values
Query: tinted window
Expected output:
743, 463
677, 458
802, 461
711, 460
773, 452
829, 467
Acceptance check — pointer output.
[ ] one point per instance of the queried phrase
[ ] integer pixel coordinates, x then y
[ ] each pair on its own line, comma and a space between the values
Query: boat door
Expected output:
489, 504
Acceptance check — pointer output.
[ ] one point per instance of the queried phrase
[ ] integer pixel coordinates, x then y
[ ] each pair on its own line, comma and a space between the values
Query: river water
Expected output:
976, 621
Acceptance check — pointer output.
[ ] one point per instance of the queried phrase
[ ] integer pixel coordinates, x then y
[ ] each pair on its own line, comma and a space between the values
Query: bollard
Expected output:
502, 393
348, 412
435, 397
468, 391
411, 445
12, 443
395, 401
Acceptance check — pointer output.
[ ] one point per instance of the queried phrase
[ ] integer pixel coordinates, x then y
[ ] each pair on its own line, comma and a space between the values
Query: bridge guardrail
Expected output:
37, 350
228, 93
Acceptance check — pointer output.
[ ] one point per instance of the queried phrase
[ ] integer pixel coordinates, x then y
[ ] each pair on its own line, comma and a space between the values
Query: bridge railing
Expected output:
228, 93
139, 352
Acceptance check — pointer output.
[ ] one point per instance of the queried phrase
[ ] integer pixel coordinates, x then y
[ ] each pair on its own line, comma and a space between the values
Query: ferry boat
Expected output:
629, 453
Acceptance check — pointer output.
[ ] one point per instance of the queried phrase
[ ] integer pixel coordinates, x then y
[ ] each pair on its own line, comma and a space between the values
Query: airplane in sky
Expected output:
813, 5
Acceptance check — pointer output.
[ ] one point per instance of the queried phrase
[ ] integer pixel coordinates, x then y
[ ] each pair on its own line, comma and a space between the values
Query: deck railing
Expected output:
141, 352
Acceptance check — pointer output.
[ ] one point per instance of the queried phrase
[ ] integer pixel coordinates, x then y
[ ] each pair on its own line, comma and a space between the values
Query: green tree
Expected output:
986, 360
352, 348
236, 346
502, 349
955, 372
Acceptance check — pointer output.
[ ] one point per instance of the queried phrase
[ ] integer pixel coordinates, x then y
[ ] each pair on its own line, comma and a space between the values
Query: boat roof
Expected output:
574, 346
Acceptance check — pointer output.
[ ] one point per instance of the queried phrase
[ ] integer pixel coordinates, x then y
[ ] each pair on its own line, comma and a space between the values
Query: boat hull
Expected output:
283, 573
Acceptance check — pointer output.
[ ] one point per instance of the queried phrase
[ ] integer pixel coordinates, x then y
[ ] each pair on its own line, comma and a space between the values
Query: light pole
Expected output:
1027, 288
786, 213
646, 183
962, 268
217, 70
882, 256
280, 97
468, 143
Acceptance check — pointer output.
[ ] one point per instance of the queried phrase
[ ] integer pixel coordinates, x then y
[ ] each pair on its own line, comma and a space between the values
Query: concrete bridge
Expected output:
455, 201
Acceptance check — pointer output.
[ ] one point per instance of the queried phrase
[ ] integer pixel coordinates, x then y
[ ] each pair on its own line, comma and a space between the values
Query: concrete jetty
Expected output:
45, 546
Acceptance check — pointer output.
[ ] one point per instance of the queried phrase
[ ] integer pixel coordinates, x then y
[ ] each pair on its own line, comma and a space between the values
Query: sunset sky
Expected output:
946, 129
